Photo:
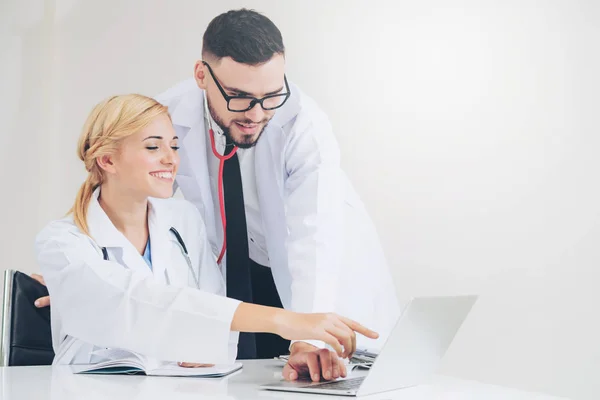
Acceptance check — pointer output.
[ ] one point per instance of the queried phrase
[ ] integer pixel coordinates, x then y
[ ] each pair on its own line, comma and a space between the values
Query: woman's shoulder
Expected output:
180, 213
61, 231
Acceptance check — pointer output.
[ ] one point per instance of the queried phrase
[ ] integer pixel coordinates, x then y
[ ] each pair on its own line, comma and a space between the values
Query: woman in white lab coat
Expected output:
124, 268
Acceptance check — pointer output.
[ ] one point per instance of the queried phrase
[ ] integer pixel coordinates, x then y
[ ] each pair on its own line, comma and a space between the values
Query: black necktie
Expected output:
239, 285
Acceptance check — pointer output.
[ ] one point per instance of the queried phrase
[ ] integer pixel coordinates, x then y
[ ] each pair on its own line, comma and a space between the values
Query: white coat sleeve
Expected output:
314, 207
105, 304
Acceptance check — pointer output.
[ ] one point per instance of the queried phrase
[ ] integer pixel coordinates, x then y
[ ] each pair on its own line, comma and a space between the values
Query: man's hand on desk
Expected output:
42, 301
307, 360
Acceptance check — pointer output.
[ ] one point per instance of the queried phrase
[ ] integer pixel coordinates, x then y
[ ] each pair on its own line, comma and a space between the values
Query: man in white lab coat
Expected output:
296, 232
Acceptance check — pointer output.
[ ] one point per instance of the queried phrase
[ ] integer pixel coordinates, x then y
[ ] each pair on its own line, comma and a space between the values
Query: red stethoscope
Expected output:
222, 160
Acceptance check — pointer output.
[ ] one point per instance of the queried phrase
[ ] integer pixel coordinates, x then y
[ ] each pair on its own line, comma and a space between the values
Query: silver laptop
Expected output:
410, 355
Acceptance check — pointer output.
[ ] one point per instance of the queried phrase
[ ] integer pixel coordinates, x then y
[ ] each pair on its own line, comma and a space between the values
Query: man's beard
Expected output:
227, 132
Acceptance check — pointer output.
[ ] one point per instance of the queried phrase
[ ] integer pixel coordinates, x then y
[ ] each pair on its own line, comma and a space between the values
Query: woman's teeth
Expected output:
162, 175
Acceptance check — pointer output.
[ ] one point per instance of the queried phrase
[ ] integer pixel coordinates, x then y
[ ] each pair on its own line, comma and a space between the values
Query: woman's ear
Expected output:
106, 164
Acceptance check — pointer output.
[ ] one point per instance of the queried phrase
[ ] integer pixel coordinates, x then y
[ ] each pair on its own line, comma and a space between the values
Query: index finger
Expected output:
42, 302
355, 326
289, 373
353, 346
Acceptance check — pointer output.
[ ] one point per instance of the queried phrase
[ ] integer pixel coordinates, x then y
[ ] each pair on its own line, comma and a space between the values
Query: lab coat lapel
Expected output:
159, 242
270, 153
105, 234
269, 169
269, 164
193, 176
134, 260
270, 176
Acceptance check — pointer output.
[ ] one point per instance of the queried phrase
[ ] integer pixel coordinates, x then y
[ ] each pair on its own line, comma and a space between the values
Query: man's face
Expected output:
242, 128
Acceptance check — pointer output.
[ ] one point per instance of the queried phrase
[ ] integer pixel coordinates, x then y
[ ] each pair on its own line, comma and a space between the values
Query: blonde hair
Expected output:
110, 122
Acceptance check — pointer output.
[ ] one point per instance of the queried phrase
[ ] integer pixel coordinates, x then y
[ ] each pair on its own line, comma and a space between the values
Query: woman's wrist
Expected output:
279, 320
256, 318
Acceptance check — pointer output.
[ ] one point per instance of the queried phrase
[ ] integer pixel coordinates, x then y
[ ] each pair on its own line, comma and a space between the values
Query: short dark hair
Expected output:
245, 35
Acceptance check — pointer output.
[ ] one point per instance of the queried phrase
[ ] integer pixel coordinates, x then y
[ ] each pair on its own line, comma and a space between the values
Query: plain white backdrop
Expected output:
468, 127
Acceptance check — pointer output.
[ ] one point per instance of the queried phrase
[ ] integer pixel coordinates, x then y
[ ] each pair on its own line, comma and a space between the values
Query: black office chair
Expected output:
26, 334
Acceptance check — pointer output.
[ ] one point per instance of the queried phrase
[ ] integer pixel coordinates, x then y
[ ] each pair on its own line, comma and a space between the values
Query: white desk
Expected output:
58, 383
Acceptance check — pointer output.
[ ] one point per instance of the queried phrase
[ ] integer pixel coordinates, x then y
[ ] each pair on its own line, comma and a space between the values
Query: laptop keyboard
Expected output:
346, 384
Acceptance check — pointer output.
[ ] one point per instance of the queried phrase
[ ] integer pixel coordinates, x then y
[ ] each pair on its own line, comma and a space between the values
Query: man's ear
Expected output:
106, 164
201, 75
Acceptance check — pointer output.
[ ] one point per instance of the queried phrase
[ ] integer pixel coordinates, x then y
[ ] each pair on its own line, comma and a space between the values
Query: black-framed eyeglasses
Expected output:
245, 103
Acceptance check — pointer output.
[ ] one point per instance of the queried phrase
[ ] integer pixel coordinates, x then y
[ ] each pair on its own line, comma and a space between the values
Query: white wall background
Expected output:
468, 127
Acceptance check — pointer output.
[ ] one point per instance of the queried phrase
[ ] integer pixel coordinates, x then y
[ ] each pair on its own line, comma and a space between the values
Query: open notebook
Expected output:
127, 363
